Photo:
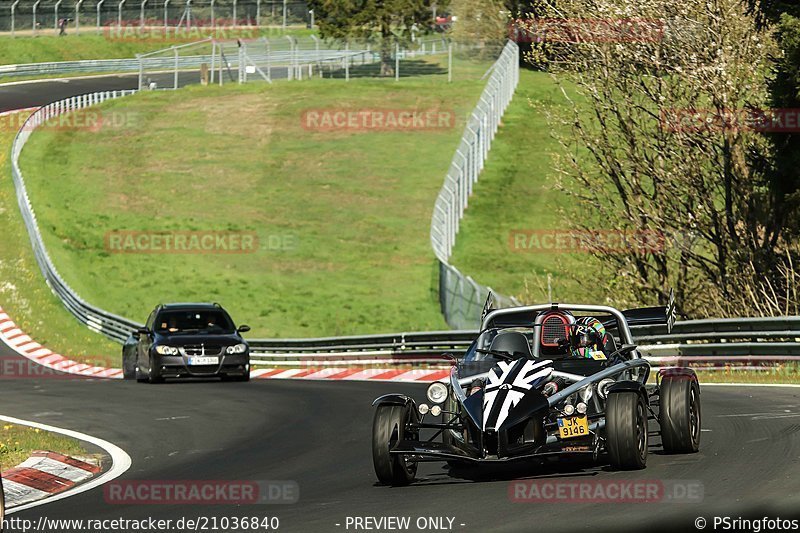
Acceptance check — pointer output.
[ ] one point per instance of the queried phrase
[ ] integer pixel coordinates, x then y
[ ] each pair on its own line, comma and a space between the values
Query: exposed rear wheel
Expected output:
626, 430
388, 428
679, 414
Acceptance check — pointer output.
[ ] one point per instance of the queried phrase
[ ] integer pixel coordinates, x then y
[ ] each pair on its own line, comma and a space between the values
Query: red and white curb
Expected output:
21, 343
352, 374
44, 474
54, 476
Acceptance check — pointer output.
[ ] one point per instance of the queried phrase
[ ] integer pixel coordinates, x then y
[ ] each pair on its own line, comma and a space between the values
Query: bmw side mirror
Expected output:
243, 328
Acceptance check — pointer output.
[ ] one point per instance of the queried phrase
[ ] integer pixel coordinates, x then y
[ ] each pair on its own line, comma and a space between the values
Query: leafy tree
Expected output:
661, 148
384, 23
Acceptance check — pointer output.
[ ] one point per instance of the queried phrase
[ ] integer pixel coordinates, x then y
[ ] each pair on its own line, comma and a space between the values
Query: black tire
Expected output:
626, 430
389, 427
2, 506
128, 365
679, 414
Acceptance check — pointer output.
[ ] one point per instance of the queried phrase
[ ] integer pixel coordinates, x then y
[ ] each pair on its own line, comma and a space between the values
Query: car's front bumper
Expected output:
178, 366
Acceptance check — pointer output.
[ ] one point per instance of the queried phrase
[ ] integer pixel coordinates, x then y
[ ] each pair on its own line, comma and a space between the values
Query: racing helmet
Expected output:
586, 336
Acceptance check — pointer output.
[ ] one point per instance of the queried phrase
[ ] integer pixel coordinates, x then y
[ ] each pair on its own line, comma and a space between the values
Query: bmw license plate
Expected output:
204, 360
573, 426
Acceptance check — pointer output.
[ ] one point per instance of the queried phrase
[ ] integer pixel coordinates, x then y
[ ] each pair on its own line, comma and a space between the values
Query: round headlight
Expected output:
569, 409
436, 410
166, 350
602, 387
437, 392
581, 408
239, 348
423, 408
586, 393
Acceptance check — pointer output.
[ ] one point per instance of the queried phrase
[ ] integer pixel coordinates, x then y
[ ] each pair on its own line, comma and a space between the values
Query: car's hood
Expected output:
512, 394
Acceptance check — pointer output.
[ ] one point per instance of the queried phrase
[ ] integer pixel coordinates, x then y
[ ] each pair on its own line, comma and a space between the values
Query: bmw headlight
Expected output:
166, 350
239, 348
437, 392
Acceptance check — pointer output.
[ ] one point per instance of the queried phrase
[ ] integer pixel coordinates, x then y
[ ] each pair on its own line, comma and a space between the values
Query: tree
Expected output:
480, 21
663, 148
384, 23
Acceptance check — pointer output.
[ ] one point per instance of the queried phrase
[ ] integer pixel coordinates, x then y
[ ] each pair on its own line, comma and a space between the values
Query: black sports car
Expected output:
187, 340
540, 381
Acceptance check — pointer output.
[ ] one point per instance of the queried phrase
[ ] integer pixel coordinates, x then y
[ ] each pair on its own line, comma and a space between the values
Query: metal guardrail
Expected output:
739, 340
460, 297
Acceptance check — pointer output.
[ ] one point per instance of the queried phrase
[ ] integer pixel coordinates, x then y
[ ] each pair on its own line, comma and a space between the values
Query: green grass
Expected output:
517, 192
788, 373
89, 45
18, 442
23, 293
353, 207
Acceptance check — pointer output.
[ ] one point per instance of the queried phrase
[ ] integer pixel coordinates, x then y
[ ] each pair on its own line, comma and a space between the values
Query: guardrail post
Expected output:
449, 62
213, 61
397, 61
141, 71
347, 61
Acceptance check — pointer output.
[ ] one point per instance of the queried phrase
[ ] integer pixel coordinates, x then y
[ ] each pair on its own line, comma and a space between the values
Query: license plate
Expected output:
204, 360
573, 426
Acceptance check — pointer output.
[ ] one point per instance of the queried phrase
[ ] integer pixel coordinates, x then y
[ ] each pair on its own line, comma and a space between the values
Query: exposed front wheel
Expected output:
388, 428
626, 430
679, 414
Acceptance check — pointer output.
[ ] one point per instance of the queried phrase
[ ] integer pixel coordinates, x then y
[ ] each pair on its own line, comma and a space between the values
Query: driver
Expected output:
588, 339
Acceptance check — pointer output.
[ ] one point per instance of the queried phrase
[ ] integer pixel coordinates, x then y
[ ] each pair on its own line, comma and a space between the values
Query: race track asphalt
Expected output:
318, 434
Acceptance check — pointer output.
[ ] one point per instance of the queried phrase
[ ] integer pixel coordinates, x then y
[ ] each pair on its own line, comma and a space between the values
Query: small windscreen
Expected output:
192, 321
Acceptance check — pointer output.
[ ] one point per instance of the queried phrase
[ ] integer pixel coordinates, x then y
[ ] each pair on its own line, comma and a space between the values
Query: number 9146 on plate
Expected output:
573, 426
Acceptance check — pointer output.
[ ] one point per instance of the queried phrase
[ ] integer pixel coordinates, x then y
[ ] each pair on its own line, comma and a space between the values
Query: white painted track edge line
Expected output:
120, 462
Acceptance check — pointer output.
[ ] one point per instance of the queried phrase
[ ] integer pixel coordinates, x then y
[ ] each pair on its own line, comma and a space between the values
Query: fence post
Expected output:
78, 16
55, 14
397, 61
175, 83
13, 17
213, 60
166, 24
234, 14
99, 5
141, 13
258, 13
347, 61
35, 7
449, 62
269, 61
141, 71
284, 16
119, 15
213, 15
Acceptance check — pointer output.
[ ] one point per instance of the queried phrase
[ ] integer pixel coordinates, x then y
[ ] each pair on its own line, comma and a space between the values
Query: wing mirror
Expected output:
243, 328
